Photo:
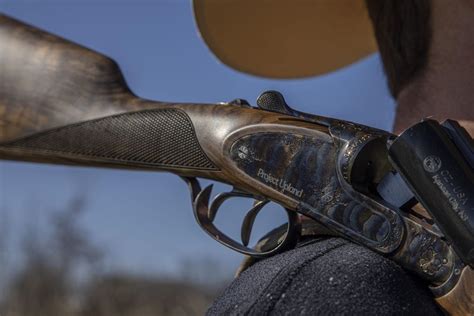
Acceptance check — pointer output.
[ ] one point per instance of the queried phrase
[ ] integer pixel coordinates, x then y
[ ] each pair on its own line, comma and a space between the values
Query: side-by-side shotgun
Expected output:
65, 104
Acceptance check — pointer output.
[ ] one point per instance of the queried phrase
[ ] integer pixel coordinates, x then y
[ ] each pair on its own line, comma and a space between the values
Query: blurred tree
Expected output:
47, 282
135, 295
45, 285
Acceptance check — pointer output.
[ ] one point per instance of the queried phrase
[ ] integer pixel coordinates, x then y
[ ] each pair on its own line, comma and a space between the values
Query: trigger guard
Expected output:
205, 215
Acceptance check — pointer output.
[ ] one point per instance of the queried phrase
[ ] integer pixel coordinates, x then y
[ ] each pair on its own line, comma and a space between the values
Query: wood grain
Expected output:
460, 300
46, 82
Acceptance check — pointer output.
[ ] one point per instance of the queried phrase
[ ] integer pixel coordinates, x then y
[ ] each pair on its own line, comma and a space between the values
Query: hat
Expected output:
283, 38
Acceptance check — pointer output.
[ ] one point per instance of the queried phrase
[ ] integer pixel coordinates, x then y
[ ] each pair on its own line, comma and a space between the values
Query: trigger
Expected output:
249, 220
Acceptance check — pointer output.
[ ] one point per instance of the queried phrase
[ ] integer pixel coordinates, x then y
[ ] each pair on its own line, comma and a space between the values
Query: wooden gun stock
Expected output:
63, 103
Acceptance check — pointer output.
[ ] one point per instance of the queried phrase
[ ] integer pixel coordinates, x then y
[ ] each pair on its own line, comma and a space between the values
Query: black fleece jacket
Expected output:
328, 276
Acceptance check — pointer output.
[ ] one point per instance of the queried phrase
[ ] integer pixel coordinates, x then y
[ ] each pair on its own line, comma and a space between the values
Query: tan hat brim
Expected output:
285, 38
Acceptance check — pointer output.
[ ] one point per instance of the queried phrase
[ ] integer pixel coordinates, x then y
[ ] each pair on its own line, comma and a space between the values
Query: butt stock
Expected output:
66, 104
48, 82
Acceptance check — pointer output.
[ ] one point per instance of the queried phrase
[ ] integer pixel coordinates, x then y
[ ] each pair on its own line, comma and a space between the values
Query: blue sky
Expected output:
144, 219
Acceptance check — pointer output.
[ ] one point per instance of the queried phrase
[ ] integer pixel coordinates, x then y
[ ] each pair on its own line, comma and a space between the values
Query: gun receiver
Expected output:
63, 103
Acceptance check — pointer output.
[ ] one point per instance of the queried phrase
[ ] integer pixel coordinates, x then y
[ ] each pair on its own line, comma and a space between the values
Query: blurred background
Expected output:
77, 241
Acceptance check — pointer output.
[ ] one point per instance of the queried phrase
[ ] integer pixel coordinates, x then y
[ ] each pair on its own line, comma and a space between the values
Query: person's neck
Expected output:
448, 97
445, 89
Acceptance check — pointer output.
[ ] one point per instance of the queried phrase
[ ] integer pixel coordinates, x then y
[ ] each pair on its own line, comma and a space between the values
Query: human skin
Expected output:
445, 88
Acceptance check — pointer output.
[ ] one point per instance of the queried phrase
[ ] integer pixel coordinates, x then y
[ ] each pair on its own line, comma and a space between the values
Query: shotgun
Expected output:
62, 103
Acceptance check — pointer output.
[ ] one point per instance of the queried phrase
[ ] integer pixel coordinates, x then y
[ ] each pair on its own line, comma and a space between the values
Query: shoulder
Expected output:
326, 276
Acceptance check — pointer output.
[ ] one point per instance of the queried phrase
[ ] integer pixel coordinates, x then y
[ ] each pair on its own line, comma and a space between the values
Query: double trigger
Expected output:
205, 214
